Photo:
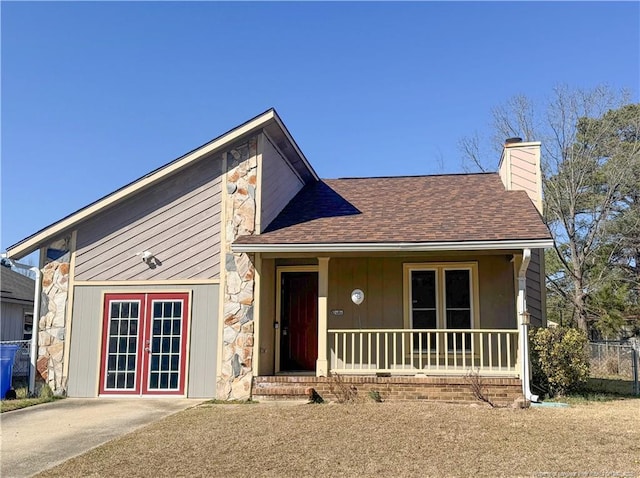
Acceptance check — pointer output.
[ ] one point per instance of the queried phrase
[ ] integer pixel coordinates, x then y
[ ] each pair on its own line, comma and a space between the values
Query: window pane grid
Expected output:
164, 368
458, 307
423, 307
440, 297
122, 345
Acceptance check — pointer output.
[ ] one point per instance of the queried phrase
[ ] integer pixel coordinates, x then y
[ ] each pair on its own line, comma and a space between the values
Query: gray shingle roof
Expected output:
15, 286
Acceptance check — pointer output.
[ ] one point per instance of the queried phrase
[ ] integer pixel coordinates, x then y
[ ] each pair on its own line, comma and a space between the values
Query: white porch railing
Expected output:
490, 352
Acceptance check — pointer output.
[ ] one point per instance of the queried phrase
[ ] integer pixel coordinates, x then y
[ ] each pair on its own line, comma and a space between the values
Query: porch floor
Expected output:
501, 390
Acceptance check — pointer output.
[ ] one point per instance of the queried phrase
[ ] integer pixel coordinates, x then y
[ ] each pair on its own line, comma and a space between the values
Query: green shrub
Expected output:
559, 360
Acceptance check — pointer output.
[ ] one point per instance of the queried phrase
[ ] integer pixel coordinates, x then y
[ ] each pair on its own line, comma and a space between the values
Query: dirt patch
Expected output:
387, 439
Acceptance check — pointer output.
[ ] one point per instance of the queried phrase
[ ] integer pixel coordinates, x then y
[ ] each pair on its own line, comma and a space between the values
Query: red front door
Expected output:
299, 321
144, 344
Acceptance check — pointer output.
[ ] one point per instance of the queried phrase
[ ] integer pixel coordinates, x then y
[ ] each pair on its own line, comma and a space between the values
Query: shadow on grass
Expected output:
600, 390
610, 386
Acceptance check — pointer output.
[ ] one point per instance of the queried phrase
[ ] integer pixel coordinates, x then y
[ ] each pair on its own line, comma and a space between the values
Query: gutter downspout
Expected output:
36, 320
523, 318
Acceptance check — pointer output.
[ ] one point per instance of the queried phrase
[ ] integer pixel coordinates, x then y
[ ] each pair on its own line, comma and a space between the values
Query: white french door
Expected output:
144, 344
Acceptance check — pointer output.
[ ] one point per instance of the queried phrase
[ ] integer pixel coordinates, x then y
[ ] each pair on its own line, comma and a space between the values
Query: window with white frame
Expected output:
27, 327
440, 296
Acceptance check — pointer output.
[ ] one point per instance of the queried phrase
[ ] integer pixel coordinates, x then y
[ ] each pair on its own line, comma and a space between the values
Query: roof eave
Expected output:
15, 300
35, 241
295, 146
396, 246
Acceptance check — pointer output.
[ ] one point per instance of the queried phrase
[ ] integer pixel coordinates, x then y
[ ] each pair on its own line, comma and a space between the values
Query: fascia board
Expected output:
396, 246
296, 148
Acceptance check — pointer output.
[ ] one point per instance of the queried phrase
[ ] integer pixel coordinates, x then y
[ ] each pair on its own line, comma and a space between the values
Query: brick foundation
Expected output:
502, 391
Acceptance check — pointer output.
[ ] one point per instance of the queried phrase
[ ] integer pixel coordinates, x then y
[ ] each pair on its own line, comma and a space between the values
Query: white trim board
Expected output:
395, 246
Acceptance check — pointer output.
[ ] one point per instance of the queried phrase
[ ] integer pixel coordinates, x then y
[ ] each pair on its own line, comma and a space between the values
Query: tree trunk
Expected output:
580, 312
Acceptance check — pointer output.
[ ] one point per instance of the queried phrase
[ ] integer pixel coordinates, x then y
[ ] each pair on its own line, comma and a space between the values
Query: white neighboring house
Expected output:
16, 316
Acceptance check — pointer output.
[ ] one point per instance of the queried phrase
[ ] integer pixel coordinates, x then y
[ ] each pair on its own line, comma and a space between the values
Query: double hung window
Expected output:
440, 296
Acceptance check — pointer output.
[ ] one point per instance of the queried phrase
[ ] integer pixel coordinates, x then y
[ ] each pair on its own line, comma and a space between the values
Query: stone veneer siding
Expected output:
236, 376
51, 326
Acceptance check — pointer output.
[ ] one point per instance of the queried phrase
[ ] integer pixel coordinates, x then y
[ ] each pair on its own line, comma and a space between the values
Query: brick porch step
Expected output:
288, 387
281, 388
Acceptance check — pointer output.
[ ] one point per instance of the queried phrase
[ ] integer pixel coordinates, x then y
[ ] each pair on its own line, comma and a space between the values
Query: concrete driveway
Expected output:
37, 438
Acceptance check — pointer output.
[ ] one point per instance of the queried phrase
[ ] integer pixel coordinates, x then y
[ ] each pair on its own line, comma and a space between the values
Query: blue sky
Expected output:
95, 95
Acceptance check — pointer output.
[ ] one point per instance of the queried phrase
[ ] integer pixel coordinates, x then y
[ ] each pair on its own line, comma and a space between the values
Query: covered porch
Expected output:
424, 314
442, 262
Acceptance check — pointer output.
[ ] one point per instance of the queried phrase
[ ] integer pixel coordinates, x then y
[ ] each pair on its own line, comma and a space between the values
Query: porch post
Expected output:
322, 364
519, 289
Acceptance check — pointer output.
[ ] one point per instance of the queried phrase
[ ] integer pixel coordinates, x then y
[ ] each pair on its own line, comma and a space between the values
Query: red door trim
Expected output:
144, 331
183, 341
108, 298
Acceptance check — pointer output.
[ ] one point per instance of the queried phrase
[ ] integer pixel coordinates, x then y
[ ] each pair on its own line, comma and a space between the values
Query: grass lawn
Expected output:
24, 401
387, 439
17, 404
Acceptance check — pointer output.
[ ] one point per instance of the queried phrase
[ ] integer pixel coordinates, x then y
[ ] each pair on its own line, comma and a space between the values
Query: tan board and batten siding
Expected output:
84, 357
178, 220
535, 281
382, 280
280, 183
520, 170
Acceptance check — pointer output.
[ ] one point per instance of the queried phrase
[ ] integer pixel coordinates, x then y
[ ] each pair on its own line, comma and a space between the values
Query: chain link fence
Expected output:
21, 360
616, 360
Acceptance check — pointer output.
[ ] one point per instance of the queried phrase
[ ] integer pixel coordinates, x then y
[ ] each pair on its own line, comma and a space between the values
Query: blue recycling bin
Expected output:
7, 354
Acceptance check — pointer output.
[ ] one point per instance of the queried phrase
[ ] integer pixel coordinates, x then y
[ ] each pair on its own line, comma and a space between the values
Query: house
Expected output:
17, 305
229, 272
